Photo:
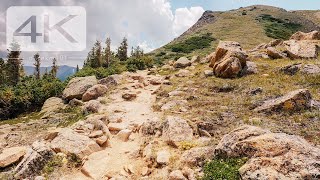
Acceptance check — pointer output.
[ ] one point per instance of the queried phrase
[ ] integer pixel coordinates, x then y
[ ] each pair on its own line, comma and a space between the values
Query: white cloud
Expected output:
185, 18
147, 23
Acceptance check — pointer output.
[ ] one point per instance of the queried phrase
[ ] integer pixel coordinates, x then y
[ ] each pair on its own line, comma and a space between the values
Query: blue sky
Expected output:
216, 5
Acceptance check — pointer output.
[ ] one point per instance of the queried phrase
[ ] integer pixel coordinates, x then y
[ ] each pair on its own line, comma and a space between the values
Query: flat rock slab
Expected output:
11, 155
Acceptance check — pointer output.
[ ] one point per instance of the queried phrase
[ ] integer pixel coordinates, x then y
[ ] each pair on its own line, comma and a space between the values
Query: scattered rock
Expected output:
11, 155
145, 171
310, 69
183, 62
275, 54
91, 106
163, 157
123, 135
102, 141
271, 155
291, 69
197, 156
156, 81
129, 96
176, 175
301, 49
34, 161
94, 92
112, 80
116, 126
256, 91
189, 173
176, 130
171, 104
314, 35
229, 60
96, 134
69, 141
208, 73
167, 67
78, 86
151, 127
294, 101
251, 68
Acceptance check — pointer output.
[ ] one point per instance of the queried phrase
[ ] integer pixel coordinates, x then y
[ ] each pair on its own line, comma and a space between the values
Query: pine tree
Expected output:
123, 50
2, 72
37, 65
77, 69
97, 57
107, 53
13, 64
54, 68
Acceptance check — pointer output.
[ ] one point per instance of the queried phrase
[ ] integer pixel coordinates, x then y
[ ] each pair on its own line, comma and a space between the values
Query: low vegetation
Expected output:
223, 169
278, 28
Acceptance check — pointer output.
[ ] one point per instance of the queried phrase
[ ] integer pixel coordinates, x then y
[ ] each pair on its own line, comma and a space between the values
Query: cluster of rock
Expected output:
300, 46
271, 155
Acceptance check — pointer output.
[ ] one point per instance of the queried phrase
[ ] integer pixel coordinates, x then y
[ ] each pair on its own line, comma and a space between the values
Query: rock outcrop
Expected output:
229, 60
271, 155
301, 49
78, 86
52, 105
34, 160
294, 101
70, 142
314, 35
309, 69
110, 81
197, 156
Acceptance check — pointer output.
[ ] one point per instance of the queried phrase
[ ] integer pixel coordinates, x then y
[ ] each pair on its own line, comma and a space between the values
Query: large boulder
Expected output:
78, 86
273, 53
294, 101
94, 92
92, 106
176, 130
309, 69
11, 155
34, 161
183, 62
52, 105
229, 60
314, 35
271, 155
301, 49
112, 80
70, 142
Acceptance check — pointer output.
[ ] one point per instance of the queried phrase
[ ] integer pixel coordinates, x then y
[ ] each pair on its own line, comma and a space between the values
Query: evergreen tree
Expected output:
54, 68
37, 65
97, 57
77, 69
13, 64
2, 71
107, 52
123, 50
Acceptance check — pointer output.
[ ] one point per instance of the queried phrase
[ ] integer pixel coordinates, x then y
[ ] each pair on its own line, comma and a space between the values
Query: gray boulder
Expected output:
183, 62
78, 86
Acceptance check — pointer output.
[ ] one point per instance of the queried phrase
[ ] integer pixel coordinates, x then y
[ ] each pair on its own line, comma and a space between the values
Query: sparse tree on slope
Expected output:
54, 68
14, 64
108, 53
123, 50
37, 65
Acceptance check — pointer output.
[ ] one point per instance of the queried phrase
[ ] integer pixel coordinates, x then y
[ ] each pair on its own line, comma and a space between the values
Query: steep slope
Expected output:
250, 26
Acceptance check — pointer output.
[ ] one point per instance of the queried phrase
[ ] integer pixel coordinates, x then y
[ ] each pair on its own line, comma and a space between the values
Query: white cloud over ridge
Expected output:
147, 23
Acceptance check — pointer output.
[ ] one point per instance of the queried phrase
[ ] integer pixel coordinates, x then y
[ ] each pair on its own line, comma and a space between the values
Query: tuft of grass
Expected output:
53, 164
186, 145
74, 114
223, 169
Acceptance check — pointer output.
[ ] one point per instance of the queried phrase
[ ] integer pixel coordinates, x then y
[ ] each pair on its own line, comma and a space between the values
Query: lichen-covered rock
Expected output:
91, 106
176, 130
52, 105
271, 155
275, 54
34, 161
70, 142
78, 86
176, 175
183, 62
294, 101
94, 92
309, 69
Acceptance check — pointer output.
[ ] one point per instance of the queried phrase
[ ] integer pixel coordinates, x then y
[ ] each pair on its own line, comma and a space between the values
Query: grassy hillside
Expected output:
250, 26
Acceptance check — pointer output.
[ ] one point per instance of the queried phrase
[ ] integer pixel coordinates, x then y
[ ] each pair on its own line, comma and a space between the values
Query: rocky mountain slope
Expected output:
250, 26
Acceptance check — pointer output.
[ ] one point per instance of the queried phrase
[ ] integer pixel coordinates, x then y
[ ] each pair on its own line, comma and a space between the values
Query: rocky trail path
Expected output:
128, 107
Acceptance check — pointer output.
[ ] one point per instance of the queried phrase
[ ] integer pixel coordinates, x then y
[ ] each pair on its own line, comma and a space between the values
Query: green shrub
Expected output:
134, 64
278, 28
191, 44
28, 95
223, 169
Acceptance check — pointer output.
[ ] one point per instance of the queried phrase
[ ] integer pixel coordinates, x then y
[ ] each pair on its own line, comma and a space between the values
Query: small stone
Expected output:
102, 141
123, 135
208, 73
11, 155
145, 171
176, 175
163, 157
129, 96
116, 126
